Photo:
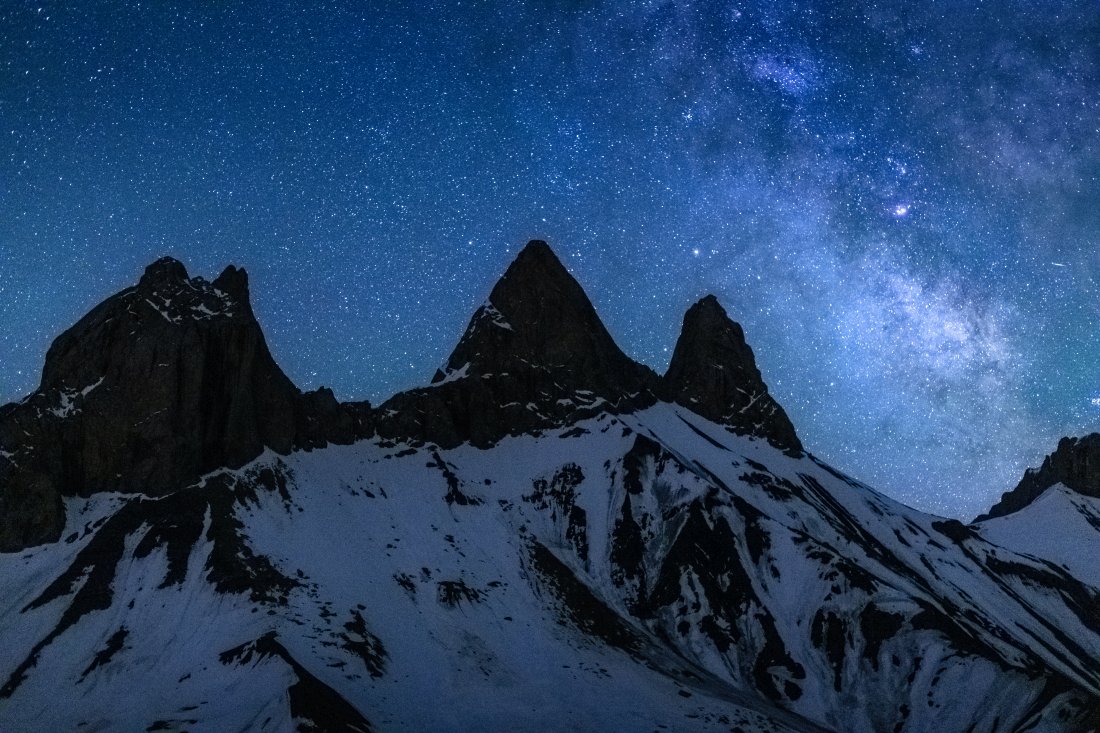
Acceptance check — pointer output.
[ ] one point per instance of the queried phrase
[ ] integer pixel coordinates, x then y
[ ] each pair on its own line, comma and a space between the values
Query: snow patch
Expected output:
68, 399
488, 310
453, 375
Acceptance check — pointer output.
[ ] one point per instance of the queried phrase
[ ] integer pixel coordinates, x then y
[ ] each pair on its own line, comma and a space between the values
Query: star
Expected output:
376, 173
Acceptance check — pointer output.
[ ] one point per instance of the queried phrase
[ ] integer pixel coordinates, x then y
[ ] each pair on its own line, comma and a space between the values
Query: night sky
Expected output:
899, 201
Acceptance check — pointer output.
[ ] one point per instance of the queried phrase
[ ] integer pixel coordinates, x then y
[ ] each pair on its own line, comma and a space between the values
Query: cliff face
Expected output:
154, 387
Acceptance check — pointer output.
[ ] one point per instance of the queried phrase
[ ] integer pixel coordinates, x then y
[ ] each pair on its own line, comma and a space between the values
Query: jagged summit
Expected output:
1075, 463
172, 378
165, 307
155, 386
234, 281
168, 277
536, 354
713, 373
164, 270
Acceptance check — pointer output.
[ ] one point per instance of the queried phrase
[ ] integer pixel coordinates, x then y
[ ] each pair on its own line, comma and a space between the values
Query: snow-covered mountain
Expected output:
548, 537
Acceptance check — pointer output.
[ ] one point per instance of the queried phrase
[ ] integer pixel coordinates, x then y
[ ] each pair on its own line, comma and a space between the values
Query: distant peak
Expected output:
1075, 463
708, 314
709, 306
536, 264
234, 281
539, 313
537, 247
708, 332
164, 270
535, 354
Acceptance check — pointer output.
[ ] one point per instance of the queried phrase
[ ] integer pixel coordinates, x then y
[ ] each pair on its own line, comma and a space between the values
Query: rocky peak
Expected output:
713, 373
1075, 463
165, 271
535, 355
234, 281
166, 306
538, 315
154, 387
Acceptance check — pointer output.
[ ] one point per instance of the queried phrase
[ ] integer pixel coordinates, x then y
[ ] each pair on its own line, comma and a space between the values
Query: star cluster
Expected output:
900, 203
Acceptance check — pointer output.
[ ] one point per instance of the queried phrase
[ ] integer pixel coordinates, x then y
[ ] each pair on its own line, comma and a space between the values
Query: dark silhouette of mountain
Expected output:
1075, 464
156, 386
713, 373
535, 355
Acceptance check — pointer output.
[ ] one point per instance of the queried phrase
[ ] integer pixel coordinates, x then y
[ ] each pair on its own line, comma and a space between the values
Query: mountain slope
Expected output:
549, 538
1061, 526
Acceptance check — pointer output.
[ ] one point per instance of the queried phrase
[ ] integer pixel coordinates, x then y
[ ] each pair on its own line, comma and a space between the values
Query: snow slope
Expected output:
1061, 526
649, 571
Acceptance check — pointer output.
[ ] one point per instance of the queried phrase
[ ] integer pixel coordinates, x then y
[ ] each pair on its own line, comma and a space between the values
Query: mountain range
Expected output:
549, 536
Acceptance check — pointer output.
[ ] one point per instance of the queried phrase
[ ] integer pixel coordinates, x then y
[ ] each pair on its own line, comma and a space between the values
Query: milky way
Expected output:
899, 201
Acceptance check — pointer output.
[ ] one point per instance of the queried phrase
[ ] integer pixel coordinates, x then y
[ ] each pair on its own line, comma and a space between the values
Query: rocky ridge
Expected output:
173, 378
1075, 463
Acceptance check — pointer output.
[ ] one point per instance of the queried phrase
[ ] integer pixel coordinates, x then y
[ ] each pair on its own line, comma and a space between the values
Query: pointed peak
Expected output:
537, 248
536, 265
164, 270
708, 316
708, 327
713, 373
534, 355
536, 255
539, 314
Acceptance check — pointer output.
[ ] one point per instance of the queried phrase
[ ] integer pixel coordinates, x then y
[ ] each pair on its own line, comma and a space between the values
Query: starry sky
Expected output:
899, 201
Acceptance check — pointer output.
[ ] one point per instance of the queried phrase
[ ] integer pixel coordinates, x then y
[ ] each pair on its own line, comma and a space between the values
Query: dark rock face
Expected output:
713, 373
31, 510
1075, 463
535, 355
154, 387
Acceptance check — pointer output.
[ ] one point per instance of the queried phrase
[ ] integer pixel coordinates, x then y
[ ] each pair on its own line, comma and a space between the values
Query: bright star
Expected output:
901, 210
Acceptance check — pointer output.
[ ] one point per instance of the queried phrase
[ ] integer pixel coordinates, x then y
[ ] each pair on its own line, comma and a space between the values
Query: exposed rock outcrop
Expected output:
172, 378
154, 387
535, 355
1075, 463
713, 373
